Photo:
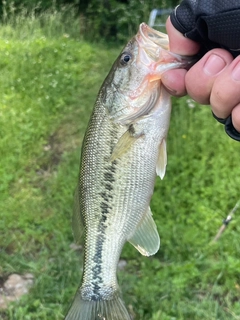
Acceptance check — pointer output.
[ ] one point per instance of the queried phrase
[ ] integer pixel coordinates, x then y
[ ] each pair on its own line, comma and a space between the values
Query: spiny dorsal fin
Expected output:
77, 219
146, 238
162, 159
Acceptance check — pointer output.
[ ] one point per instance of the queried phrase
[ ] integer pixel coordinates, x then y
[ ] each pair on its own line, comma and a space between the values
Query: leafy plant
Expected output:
48, 83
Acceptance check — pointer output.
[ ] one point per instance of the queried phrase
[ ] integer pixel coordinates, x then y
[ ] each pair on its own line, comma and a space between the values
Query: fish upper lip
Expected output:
156, 37
154, 43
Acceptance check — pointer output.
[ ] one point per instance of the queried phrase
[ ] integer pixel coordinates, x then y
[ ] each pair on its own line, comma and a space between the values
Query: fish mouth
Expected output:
156, 37
151, 42
154, 47
152, 60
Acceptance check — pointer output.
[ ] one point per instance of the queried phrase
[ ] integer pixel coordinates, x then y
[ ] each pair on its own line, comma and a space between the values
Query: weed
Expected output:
48, 83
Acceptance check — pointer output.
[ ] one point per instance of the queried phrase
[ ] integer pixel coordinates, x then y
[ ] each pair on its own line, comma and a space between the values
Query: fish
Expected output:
123, 151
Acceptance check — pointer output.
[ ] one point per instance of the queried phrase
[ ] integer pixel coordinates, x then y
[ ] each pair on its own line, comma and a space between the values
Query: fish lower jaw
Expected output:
95, 293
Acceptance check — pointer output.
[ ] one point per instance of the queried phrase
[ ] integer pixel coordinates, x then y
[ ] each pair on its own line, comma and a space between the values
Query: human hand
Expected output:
214, 79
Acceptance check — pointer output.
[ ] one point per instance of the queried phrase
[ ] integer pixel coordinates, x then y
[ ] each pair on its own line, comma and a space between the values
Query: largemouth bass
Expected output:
123, 150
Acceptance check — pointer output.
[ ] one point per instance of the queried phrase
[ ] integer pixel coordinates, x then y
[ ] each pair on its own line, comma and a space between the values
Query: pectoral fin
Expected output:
125, 143
77, 219
146, 238
162, 159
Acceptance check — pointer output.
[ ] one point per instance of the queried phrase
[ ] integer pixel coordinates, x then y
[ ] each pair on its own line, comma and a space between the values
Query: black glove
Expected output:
213, 24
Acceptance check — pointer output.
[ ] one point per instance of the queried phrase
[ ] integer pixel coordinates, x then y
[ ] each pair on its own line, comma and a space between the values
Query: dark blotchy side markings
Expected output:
108, 176
97, 270
113, 166
105, 207
106, 196
109, 186
131, 129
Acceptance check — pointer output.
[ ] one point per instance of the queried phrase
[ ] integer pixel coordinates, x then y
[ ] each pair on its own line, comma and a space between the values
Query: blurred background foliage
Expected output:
111, 20
53, 60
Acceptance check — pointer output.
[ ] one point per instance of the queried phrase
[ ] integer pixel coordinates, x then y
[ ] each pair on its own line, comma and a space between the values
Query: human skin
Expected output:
214, 79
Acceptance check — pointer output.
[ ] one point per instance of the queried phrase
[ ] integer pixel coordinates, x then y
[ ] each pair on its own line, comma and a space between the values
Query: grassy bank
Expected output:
48, 82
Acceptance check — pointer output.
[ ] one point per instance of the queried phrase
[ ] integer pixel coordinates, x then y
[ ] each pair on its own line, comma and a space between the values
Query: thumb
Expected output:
178, 43
174, 80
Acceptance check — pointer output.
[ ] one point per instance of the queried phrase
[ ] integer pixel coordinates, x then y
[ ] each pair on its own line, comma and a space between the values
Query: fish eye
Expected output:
125, 58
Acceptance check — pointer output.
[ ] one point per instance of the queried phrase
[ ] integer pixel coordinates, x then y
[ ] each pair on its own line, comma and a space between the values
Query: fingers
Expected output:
225, 94
214, 79
217, 83
236, 117
178, 43
203, 78
174, 80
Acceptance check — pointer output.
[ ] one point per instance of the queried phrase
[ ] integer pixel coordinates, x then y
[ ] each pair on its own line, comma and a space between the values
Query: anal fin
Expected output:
146, 238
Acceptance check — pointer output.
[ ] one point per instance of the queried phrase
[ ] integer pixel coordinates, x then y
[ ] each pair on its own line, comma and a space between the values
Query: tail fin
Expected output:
113, 309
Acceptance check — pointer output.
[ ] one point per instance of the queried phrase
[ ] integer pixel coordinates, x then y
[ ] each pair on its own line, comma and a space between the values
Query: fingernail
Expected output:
214, 65
165, 78
171, 91
236, 72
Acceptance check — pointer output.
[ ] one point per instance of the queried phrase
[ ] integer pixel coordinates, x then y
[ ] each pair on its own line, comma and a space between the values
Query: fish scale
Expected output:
94, 203
123, 150
128, 208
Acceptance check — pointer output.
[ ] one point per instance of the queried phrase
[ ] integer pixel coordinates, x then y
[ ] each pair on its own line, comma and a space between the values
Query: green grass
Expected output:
48, 83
